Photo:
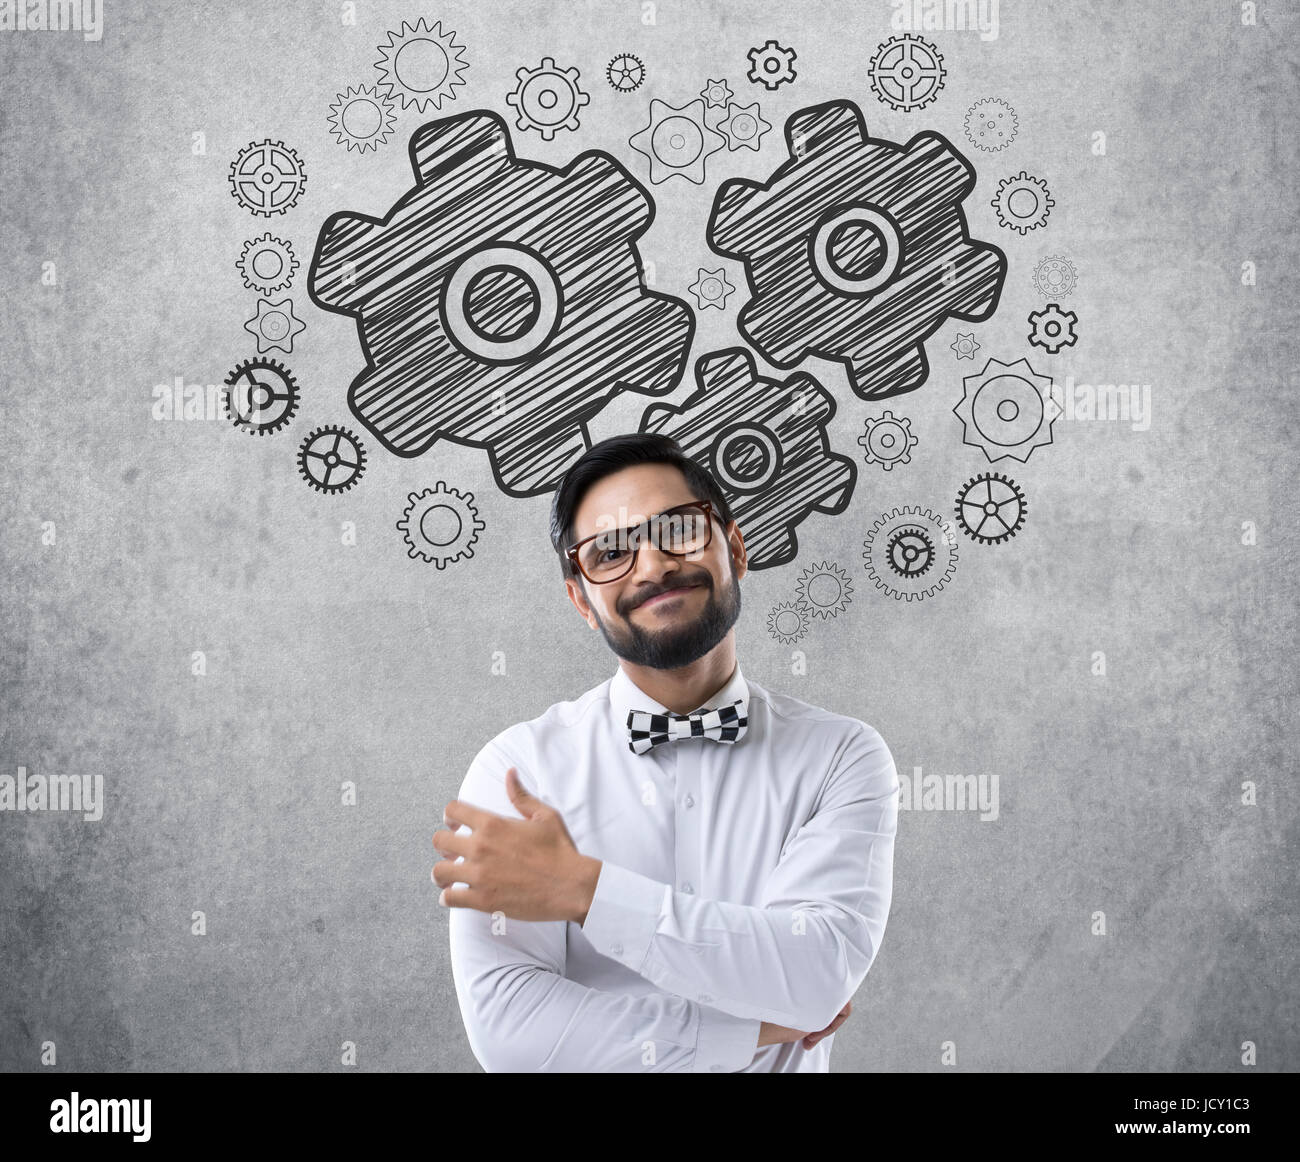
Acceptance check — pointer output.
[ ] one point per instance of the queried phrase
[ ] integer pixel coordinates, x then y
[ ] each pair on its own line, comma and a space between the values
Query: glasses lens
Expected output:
608, 555
684, 530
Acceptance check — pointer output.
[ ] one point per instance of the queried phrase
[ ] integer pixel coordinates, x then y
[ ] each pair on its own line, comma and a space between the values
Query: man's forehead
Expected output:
623, 507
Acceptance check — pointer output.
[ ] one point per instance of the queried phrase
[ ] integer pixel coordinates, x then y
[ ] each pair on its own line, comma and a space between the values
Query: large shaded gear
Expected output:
490, 318
991, 508
440, 525
547, 99
856, 250
1052, 328
911, 553
772, 65
766, 444
1007, 409
907, 72
267, 177
887, 440
421, 64
825, 590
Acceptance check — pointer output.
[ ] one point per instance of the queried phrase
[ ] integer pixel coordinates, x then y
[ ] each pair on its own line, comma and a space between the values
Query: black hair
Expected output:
610, 456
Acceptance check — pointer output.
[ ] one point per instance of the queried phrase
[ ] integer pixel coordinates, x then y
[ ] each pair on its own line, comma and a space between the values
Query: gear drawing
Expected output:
991, 508
420, 64
547, 99
825, 590
716, 94
267, 177
888, 440
1052, 328
440, 525
1007, 409
856, 250
625, 72
262, 396
991, 124
677, 141
500, 303
907, 72
911, 553
711, 288
787, 622
331, 459
1022, 202
267, 264
744, 127
772, 65
274, 325
362, 118
1055, 277
767, 445
965, 346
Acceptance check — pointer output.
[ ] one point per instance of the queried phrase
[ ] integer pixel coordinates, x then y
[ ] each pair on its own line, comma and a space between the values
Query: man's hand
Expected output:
528, 869
771, 1034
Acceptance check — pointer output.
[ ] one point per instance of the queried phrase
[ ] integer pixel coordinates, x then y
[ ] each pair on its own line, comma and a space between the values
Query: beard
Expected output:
677, 645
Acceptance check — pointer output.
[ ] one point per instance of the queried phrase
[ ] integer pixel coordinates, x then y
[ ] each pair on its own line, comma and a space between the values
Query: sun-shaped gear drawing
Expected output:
1052, 328
907, 72
825, 590
420, 64
991, 124
965, 345
911, 553
677, 141
440, 525
267, 177
331, 459
1008, 409
772, 65
362, 118
887, 440
711, 288
991, 508
267, 264
1055, 277
547, 98
1022, 202
261, 396
274, 325
744, 127
787, 622
625, 72
716, 94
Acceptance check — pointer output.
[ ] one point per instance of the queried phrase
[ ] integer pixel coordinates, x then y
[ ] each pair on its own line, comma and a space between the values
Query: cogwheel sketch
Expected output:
772, 65
490, 318
1022, 202
1007, 410
362, 118
887, 440
331, 459
766, 444
991, 124
825, 590
910, 553
274, 326
420, 64
625, 73
1052, 328
965, 345
267, 177
711, 288
716, 94
261, 396
907, 72
1055, 277
856, 250
267, 264
991, 508
743, 127
547, 98
440, 525
787, 622
677, 142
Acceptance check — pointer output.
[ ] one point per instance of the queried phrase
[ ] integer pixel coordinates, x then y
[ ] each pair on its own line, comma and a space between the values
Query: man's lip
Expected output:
670, 593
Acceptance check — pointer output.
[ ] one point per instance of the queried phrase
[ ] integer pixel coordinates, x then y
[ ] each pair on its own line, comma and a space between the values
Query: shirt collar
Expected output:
626, 695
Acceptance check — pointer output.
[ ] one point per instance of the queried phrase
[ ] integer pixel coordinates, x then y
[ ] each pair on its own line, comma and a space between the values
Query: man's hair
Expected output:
613, 455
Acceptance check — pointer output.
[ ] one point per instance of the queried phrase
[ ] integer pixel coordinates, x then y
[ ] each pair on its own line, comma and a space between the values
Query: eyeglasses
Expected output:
610, 554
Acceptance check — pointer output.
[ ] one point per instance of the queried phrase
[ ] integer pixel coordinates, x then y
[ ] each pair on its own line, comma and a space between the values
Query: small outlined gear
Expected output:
991, 508
267, 264
1007, 409
744, 126
907, 72
274, 325
547, 98
331, 459
965, 345
888, 440
825, 590
440, 525
911, 553
711, 288
419, 64
1052, 328
991, 124
267, 177
677, 141
1022, 202
625, 72
772, 65
1055, 277
362, 118
261, 396
716, 94
787, 622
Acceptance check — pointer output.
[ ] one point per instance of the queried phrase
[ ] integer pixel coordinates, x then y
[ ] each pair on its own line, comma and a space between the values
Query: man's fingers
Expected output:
447, 872
449, 843
839, 1019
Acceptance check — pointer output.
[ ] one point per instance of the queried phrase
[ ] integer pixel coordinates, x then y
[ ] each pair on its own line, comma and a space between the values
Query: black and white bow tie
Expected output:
647, 728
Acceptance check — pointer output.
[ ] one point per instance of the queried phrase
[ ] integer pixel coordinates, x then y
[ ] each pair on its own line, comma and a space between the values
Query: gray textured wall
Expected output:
325, 662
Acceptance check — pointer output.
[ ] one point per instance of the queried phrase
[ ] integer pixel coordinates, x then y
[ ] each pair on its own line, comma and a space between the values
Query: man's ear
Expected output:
579, 599
736, 546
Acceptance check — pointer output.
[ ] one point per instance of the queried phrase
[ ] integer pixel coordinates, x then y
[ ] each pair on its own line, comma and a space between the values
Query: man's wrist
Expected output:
585, 879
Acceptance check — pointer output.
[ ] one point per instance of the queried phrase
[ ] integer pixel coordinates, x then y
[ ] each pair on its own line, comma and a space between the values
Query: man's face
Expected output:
668, 611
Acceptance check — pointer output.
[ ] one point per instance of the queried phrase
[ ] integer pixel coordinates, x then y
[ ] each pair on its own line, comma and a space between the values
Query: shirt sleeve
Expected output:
800, 955
522, 1014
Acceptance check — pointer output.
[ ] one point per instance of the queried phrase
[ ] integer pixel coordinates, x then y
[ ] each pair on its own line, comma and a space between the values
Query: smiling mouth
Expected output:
667, 596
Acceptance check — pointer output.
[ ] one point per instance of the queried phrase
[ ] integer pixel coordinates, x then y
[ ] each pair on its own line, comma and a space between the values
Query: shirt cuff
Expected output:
624, 914
725, 1044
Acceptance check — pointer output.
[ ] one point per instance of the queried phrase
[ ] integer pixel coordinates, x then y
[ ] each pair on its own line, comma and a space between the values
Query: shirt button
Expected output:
616, 949
687, 889
689, 801
706, 998
715, 1068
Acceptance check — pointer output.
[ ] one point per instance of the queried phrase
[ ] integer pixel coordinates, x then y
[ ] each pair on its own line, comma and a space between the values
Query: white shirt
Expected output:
741, 883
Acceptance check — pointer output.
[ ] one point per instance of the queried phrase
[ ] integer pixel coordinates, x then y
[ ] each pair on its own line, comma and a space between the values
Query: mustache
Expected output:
643, 597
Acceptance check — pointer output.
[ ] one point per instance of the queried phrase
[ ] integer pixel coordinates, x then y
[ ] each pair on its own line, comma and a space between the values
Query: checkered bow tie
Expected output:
646, 728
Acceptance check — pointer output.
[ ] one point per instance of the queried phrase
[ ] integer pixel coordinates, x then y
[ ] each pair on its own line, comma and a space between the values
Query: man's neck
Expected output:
684, 689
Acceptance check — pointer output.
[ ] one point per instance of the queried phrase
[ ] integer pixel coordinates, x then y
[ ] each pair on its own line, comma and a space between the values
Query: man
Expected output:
633, 886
